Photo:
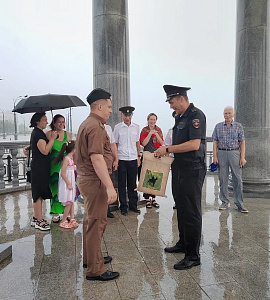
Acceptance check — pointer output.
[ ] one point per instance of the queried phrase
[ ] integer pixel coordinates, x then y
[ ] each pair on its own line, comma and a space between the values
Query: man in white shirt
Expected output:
174, 169
113, 146
115, 158
127, 138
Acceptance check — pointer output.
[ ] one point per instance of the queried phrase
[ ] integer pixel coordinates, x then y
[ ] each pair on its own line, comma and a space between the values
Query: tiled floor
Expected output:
234, 253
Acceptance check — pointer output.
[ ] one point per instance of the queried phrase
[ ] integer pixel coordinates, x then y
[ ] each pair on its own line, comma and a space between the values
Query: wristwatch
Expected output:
167, 149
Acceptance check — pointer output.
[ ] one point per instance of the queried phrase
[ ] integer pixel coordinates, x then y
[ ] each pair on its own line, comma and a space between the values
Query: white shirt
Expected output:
168, 140
126, 138
110, 133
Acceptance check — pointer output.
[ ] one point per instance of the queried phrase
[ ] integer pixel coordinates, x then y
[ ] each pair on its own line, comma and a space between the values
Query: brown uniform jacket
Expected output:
92, 138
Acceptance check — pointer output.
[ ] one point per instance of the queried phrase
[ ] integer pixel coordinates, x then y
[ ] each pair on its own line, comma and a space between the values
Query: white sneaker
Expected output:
34, 222
44, 226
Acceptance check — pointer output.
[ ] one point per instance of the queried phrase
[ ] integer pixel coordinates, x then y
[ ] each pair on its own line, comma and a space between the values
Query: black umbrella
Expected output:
47, 102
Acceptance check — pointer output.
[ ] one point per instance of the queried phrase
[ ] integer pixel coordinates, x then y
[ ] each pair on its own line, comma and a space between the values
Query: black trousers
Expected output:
127, 175
189, 212
145, 196
175, 189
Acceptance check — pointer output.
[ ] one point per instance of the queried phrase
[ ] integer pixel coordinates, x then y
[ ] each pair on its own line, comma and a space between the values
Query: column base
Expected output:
259, 189
255, 189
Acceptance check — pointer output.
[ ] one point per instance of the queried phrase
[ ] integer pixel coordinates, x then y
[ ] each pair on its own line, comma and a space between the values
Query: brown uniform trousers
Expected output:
94, 223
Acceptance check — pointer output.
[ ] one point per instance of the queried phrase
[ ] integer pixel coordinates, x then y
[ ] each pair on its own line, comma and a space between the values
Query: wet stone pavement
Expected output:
48, 265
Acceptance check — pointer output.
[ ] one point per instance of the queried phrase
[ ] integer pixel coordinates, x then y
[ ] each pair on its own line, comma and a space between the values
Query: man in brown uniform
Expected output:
94, 165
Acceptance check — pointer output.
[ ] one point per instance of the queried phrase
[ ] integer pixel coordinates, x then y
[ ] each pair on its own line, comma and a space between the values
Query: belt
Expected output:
228, 149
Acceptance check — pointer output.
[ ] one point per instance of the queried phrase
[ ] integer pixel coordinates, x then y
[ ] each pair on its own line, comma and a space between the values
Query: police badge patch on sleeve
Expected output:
196, 123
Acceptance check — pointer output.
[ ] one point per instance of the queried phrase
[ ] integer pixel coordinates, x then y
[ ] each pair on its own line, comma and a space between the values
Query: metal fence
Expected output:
12, 162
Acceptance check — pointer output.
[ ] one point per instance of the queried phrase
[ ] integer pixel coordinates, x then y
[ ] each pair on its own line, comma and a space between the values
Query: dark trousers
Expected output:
127, 175
189, 213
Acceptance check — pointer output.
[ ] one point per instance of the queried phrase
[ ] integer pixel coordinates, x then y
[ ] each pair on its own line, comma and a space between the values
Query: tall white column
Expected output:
252, 92
111, 52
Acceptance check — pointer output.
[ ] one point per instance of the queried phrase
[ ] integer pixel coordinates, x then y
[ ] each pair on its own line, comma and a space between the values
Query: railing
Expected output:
12, 162
209, 152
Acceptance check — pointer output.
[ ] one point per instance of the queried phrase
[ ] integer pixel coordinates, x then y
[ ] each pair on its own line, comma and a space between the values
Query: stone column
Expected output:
111, 52
252, 92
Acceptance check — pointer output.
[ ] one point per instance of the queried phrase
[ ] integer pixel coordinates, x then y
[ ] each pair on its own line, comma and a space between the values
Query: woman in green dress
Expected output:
58, 125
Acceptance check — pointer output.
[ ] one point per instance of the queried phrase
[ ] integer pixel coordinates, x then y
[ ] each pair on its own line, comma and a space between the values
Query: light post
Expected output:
4, 131
15, 119
70, 121
24, 127
23, 124
67, 122
15, 125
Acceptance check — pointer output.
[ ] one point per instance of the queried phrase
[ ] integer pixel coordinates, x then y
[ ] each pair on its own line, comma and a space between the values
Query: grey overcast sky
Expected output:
46, 47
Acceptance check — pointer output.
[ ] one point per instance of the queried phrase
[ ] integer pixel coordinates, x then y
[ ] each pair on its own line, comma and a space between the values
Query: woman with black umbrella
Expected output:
40, 167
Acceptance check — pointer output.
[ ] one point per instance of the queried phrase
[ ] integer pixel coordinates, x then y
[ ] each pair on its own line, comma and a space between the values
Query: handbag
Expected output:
28, 169
154, 174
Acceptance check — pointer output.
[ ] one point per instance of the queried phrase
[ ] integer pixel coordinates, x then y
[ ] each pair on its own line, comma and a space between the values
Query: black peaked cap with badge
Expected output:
127, 110
173, 90
97, 94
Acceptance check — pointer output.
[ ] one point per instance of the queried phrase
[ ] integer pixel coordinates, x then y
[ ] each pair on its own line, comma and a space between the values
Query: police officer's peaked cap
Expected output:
172, 91
97, 94
127, 110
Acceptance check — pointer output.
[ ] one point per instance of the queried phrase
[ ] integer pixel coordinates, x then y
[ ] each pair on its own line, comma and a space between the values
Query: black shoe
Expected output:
136, 210
110, 215
124, 212
174, 249
107, 259
185, 264
106, 276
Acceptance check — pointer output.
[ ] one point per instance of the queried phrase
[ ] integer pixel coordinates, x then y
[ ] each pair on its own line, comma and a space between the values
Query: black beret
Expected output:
172, 91
97, 94
127, 110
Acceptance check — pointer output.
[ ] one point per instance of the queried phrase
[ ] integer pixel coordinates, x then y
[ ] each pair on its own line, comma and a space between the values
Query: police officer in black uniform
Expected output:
189, 149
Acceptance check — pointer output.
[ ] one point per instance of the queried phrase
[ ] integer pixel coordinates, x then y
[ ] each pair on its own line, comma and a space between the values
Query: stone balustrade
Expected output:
12, 162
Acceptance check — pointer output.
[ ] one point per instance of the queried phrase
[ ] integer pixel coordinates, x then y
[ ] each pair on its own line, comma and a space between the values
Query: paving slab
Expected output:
48, 265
